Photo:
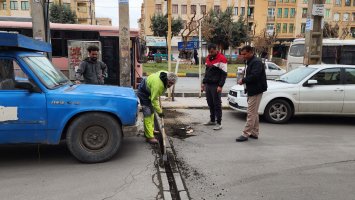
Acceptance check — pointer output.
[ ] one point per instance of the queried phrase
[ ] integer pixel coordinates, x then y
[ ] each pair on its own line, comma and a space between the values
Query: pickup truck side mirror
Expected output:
27, 86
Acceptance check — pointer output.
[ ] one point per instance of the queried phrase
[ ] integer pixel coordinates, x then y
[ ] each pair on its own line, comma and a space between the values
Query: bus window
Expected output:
297, 50
329, 54
347, 55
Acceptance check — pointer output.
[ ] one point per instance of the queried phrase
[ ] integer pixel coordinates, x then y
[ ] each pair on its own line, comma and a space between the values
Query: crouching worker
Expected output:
148, 93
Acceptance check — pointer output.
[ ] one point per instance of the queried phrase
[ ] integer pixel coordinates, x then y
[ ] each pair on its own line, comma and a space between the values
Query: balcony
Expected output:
271, 3
270, 18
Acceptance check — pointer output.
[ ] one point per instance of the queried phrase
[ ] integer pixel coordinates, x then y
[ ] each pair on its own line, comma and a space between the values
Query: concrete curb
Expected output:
229, 75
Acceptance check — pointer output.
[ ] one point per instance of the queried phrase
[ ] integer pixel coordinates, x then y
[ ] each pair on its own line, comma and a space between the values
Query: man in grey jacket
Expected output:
93, 70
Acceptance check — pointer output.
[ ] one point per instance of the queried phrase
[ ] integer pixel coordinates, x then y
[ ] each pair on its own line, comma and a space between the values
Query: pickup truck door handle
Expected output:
338, 90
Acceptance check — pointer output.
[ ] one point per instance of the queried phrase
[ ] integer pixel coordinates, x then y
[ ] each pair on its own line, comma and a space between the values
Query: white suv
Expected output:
316, 89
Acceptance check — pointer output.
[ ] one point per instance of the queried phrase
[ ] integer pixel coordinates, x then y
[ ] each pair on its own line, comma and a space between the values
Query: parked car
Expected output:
272, 70
316, 89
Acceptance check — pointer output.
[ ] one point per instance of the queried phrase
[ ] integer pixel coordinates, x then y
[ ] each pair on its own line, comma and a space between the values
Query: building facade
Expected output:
286, 19
84, 9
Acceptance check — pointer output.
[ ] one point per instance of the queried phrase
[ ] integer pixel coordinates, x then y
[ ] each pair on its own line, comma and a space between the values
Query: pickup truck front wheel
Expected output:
94, 137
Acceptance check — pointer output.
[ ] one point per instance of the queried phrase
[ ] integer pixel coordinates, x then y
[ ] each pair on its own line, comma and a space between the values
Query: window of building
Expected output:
183, 9
293, 1
286, 1
338, 2
193, 9
216, 9
328, 1
303, 28
336, 17
292, 12
66, 5
235, 11
291, 28
279, 12
346, 17
347, 2
270, 28
271, 12
304, 12
175, 9
327, 13
284, 28
280, 1
203, 9
353, 17
285, 12
13, 5
3, 5
242, 11
305, 1
158, 8
278, 27
25, 5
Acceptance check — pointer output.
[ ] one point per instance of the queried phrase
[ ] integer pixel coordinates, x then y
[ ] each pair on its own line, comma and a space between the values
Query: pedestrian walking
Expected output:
255, 84
149, 90
215, 77
196, 57
93, 70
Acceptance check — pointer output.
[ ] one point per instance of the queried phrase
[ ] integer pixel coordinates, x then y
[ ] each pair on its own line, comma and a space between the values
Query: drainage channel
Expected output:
172, 184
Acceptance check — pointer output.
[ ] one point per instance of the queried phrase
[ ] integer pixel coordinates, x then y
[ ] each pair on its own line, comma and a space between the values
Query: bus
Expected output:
106, 35
334, 51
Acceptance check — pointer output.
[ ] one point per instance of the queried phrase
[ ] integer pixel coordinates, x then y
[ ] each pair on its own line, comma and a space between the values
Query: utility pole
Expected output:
90, 12
199, 53
124, 44
40, 21
314, 32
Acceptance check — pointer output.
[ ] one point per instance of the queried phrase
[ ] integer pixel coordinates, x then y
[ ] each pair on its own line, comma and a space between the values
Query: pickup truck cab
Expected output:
39, 104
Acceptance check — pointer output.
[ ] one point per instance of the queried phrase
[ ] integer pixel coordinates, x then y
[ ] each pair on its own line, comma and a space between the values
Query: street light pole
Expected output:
169, 39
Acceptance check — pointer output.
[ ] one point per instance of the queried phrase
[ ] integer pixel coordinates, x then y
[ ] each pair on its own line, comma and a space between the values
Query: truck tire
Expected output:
94, 137
278, 111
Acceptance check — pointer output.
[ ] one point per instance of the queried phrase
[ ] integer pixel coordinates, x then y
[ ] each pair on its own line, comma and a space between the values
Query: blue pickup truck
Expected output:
40, 105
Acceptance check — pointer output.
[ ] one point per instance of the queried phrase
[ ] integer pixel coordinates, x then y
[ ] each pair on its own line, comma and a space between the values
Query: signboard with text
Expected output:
318, 10
191, 45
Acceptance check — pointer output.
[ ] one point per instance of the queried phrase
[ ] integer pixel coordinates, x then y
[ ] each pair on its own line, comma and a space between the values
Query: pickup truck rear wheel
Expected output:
94, 137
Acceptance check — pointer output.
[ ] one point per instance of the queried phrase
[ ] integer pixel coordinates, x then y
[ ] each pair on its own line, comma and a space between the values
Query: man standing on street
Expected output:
215, 77
93, 70
149, 90
255, 84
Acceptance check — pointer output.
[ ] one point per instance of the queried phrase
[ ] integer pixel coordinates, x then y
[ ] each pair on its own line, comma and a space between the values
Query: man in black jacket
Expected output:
255, 84
215, 77
93, 70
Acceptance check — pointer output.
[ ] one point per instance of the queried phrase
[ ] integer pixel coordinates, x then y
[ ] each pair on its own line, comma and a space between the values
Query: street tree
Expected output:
62, 14
159, 25
330, 31
219, 28
264, 42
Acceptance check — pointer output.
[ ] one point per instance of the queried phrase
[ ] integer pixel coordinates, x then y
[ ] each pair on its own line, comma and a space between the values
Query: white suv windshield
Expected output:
50, 76
297, 75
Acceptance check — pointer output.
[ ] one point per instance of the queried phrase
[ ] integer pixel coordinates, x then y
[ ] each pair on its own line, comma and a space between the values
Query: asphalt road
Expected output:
309, 158
51, 173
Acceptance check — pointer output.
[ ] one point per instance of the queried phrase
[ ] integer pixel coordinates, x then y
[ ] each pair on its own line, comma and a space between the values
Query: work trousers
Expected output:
148, 114
252, 124
214, 102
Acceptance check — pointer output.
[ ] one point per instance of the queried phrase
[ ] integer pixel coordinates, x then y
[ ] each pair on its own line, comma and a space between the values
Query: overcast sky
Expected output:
109, 8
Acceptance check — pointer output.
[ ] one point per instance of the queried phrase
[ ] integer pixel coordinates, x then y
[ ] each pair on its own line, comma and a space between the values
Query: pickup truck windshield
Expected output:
50, 76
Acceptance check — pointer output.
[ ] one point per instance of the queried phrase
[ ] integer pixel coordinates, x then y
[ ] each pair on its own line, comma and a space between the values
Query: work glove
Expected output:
161, 115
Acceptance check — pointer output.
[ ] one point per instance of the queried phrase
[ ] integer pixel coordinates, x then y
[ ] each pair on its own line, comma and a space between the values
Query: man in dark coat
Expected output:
255, 84
93, 70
